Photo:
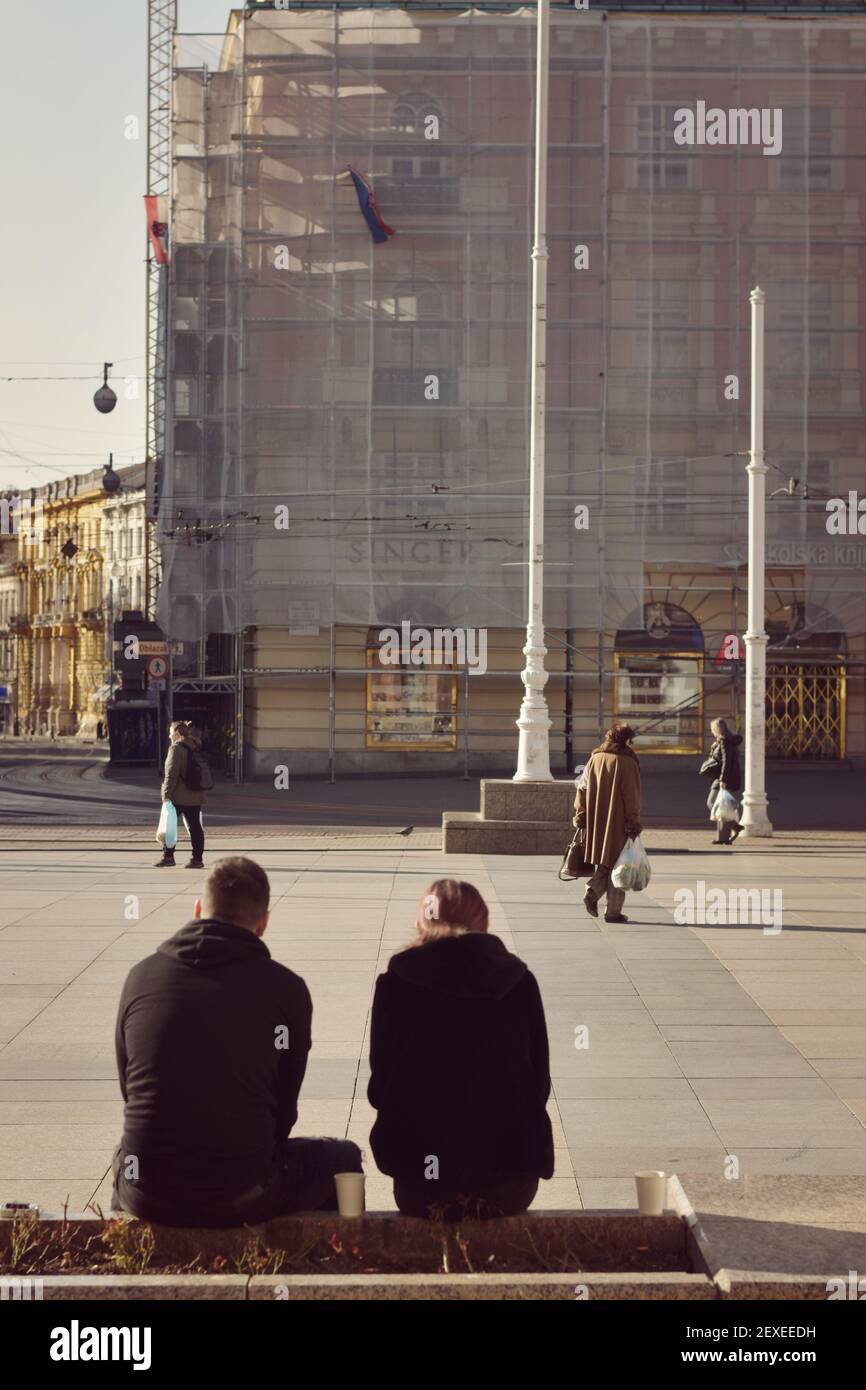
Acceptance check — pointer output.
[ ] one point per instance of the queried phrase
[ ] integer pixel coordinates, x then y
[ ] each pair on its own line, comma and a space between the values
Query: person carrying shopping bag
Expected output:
608, 807
725, 752
186, 778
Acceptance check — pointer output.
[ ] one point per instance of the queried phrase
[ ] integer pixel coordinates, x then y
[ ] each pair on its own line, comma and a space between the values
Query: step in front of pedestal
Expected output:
466, 832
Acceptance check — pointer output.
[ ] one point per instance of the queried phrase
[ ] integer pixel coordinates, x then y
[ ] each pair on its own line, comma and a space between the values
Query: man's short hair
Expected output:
236, 890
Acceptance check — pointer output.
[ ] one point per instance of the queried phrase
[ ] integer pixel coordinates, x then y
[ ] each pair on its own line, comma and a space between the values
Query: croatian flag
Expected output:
379, 230
157, 226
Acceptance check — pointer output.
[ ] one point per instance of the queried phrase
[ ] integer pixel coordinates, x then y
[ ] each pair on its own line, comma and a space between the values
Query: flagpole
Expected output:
756, 822
533, 750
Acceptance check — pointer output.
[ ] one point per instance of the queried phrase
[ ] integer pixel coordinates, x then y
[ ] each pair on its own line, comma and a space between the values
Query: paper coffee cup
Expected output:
651, 1192
350, 1193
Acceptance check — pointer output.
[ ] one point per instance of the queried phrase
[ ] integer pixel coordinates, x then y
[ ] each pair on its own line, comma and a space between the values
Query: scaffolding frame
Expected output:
248, 140
161, 27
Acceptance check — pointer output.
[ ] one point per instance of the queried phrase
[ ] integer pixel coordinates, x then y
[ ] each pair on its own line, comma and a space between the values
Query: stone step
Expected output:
468, 832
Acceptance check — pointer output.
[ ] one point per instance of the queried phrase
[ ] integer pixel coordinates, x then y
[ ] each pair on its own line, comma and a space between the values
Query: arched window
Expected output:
411, 111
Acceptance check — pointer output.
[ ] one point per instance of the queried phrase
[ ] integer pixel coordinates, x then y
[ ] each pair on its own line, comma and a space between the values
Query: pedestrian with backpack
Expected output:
186, 779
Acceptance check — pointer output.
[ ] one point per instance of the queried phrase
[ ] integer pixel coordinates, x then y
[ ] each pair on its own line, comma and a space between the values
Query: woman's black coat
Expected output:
459, 1063
726, 751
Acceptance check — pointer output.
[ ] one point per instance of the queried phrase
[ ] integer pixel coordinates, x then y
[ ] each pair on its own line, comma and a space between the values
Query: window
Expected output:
662, 305
403, 117
660, 694
806, 318
185, 396
418, 184
798, 298
799, 351
662, 302
663, 495
413, 341
807, 146
411, 111
409, 707
661, 164
818, 485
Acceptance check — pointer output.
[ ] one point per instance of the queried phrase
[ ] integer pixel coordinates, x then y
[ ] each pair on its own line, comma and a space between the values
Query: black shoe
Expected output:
194, 863
617, 917
166, 862
591, 905
736, 831
719, 842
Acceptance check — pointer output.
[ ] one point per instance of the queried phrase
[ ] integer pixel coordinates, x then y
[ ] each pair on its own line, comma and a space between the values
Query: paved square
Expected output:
707, 1045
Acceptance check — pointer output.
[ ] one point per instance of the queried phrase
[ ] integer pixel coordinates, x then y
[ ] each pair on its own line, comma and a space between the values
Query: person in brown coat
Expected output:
608, 807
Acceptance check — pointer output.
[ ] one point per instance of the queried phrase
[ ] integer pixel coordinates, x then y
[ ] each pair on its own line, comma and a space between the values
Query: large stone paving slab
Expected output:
674, 1045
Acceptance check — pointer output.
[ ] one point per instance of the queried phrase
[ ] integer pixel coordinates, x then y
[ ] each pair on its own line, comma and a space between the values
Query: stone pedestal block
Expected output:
515, 818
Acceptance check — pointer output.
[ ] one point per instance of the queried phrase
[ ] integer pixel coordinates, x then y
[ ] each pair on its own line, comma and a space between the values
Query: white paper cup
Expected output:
651, 1192
350, 1193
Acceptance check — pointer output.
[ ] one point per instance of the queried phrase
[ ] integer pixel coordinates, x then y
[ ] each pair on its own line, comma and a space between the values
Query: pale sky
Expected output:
72, 231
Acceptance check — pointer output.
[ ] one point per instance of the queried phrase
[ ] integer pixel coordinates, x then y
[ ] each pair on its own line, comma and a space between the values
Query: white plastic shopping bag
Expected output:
166, 831
631, 871
725, 807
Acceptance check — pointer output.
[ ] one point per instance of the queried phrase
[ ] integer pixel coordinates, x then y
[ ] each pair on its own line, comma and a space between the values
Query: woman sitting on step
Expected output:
460, 1072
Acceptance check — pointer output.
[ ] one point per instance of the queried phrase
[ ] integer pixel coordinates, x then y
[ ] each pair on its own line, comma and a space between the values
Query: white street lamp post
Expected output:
756, 822
533, 752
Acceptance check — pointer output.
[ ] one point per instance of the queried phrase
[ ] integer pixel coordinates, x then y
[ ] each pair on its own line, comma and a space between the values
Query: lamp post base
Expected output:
533, 748
755, 821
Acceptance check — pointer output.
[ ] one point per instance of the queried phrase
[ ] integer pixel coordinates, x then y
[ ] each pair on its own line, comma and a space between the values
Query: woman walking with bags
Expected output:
725, 753
608, 809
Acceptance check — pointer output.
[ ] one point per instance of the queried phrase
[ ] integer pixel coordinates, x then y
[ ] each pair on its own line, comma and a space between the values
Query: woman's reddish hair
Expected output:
450, 907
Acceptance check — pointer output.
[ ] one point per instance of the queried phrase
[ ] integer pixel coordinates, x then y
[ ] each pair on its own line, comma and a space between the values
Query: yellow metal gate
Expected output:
805, 711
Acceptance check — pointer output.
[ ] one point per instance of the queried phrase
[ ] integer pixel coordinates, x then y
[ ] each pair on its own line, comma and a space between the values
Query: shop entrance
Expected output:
658, 678
806, 710
213, 713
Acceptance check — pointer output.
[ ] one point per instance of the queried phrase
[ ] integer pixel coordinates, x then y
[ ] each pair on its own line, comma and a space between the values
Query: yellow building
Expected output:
63, 660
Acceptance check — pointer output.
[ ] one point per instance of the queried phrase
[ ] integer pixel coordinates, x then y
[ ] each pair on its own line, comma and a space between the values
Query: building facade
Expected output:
123, 546
347, 422
77, 547
8, 611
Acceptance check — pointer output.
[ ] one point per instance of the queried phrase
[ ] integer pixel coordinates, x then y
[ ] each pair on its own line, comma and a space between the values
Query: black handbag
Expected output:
573, 864
711, 767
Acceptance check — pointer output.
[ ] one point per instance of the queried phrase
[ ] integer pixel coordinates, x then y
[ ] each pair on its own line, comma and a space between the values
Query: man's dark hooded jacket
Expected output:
460, 1063
208, 1090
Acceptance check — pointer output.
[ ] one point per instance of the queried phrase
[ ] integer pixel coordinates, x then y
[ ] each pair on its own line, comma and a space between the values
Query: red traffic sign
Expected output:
730, 650
157, 667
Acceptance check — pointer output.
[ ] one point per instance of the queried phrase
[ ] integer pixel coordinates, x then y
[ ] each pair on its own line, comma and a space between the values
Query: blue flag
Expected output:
379, 229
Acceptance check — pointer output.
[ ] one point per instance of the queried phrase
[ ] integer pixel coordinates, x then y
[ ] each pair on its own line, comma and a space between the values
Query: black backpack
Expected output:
198, 777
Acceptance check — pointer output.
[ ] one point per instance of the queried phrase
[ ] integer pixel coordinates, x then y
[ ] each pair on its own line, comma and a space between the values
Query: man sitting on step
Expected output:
212, 1042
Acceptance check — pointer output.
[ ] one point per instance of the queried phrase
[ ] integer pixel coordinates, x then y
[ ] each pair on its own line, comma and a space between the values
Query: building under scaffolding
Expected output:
346, 428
